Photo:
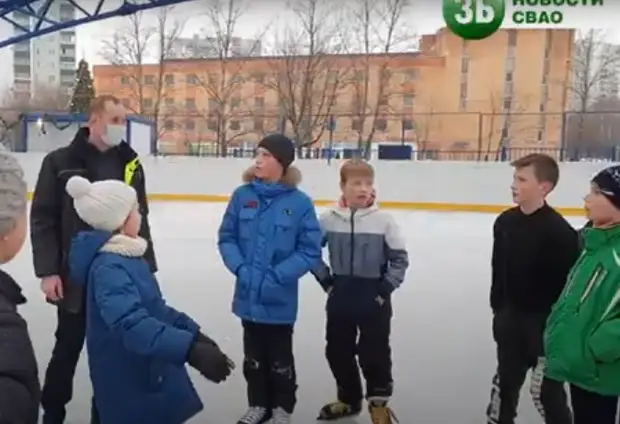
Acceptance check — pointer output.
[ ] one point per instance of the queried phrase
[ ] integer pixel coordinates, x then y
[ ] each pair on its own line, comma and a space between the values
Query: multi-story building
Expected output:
45, 64
198, 47
507, 90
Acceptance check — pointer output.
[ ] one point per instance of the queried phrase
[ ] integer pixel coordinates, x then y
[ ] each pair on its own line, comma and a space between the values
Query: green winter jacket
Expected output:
582, 337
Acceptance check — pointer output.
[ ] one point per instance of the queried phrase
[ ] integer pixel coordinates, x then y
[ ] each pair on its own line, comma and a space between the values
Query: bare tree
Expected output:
307, 73
426, 126
227, 110
382, 30
130, 49
596, 74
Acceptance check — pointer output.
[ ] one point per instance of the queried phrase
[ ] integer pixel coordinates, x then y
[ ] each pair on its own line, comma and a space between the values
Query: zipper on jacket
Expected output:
352, 241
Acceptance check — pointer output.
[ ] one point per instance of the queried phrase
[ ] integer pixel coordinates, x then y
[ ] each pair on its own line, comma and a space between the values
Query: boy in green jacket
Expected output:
582, 337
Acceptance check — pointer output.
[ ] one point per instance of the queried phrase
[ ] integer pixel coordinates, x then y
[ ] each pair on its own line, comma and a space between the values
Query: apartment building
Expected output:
47, 63
507, 90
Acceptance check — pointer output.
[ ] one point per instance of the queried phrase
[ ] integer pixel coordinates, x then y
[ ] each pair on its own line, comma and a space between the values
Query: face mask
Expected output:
115, 134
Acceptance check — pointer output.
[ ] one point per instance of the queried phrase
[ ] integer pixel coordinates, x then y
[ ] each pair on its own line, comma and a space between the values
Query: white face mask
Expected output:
114, 135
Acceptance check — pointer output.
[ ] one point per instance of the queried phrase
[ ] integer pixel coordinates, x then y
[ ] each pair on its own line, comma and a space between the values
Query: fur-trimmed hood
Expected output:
291, 178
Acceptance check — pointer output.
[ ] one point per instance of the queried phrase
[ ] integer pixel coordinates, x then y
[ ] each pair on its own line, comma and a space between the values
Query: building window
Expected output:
407, 124
212, 124
169, 124
191, 79
507, 103
169, 79
235, 125
356, 125
259, 78
213, 104
235, 102
411, 74
124, 80
259, 102
258, 124
408, 99
149, 79
147, 103
169, 102
190, 125
190, 103
464, 76
381, 125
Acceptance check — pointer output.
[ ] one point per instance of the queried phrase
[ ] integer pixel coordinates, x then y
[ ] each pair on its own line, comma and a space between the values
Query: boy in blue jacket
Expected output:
368, 260
269, 238
137, 345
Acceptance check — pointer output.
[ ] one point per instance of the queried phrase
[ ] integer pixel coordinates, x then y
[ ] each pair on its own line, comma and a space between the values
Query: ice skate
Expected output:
254, 415
280, 416
380, 413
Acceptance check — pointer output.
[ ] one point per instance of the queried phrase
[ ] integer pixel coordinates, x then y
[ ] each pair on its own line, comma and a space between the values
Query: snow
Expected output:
443, 351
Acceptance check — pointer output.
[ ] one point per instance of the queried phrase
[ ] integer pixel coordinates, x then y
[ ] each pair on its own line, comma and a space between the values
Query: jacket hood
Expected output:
289, 182
84, 249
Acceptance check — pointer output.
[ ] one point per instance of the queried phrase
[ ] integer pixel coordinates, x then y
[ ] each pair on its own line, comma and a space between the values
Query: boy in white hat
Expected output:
137, 345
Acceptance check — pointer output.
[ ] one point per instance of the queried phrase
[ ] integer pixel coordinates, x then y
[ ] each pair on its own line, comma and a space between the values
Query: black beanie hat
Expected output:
608, 181
281, 147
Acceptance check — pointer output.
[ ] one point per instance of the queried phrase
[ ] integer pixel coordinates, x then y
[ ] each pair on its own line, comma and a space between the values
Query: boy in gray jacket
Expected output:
368, 260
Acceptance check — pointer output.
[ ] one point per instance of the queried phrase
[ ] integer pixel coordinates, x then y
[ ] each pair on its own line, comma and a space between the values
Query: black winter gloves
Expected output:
209, 360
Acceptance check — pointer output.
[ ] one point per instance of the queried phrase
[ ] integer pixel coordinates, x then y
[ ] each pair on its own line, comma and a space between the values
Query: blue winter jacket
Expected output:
269, 238
137, 345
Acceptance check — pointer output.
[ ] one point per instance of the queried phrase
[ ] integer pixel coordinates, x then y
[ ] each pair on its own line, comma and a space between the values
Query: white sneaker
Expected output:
254, 415
280, 416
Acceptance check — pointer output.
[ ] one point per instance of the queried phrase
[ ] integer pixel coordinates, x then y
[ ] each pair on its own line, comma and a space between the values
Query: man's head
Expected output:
356, 182
13, 215
107, 121
602, 204
274, 155
535, 176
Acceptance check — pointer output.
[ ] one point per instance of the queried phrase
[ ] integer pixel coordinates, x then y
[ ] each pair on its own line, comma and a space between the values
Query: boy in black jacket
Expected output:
534, 248
19, 381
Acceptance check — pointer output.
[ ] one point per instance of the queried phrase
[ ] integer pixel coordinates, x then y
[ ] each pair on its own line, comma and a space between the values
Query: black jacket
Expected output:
20, 391
532, 256
53, 220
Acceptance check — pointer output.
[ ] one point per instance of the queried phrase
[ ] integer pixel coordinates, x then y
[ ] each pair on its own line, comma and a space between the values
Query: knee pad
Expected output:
282, 372
251, 365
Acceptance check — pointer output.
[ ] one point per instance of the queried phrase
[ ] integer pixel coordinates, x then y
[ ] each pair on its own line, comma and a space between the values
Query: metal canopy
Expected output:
42, 24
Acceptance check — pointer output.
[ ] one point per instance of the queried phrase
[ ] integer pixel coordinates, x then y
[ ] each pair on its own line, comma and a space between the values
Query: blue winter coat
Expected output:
137, 345
269, 238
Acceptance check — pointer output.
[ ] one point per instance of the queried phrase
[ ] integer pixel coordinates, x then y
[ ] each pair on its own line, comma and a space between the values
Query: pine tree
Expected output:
84, 91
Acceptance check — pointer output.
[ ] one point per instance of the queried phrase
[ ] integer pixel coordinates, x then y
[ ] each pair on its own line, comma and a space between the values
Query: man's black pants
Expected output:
519, 336
58, 384
591, 408
269, 365
363, 336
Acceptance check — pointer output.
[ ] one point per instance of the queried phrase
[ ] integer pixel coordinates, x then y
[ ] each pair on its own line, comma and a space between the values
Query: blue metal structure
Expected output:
88, 11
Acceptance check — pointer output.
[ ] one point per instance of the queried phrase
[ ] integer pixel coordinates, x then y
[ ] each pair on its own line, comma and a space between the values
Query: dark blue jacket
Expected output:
269, 238
137, 345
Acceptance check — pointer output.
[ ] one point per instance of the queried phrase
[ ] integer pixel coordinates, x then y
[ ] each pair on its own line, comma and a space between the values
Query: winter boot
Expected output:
380, 413
337, 410
255, 415
280, 416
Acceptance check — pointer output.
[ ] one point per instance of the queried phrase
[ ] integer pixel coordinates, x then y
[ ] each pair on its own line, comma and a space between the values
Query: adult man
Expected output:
97, 153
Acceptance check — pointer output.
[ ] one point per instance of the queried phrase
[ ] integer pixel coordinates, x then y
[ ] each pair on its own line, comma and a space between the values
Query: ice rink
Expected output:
441, 336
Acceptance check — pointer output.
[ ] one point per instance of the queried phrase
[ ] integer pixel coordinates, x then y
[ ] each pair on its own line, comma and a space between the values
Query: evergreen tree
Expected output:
84, 91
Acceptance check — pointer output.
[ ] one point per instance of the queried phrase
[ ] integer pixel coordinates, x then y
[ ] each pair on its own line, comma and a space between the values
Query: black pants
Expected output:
372, 348
58, 384
590, 408
518, 336
269, 365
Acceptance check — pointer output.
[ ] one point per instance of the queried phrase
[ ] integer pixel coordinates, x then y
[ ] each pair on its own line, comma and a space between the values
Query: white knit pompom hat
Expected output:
104, 205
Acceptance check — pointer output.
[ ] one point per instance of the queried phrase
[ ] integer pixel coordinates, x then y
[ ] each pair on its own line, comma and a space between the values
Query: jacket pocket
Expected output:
246, 223
271, 293
242, 285
284, 234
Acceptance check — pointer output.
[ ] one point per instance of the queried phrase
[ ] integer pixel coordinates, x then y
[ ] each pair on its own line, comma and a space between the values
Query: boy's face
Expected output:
266, 165
357, 191
526, 188
599, 209
133, 223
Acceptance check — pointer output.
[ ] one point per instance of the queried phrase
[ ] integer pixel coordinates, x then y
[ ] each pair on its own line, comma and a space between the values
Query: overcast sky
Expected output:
424, 17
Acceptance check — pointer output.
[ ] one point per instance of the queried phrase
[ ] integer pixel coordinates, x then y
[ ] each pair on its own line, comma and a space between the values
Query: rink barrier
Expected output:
387, 204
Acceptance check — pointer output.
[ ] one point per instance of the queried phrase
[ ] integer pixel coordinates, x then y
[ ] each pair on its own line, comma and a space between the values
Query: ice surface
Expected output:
441, 336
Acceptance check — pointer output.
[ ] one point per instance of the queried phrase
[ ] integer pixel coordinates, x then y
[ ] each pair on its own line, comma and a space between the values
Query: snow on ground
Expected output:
441, 336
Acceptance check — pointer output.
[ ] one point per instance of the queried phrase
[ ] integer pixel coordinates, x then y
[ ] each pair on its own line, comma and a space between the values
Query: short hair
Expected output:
545, 167
12, 192
97, 105
356, 168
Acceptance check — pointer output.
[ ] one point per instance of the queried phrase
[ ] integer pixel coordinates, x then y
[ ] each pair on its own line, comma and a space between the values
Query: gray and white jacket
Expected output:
364, 245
